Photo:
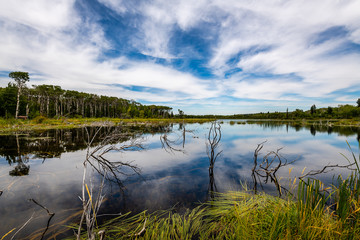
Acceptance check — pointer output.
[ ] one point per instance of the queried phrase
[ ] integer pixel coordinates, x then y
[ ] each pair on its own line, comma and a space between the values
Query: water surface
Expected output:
48, 167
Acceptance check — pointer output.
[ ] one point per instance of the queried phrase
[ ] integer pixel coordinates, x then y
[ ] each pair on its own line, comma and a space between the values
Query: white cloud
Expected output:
288, 28
56, 45
42, 15
55, 57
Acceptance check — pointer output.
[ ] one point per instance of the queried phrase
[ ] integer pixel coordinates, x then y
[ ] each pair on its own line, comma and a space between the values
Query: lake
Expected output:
164, 167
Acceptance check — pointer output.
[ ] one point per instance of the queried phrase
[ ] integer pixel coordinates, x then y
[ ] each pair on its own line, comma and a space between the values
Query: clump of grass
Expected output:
39, 119
239, 215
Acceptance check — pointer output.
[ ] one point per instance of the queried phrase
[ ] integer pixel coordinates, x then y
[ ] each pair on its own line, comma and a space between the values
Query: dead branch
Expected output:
214, 137
97, 159
49, 213
268, 168
168, 144
256, 154
324, 169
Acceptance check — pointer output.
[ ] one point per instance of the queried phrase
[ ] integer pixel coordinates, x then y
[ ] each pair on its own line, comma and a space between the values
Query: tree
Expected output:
313, 109
358, 102
287, 113
20, 78
330, 110
181, 113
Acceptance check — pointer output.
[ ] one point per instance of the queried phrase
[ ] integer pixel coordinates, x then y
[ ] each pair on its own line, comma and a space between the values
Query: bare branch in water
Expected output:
168, 144
110, 170
212, 144
173, 145
268, 167
49, 213
327, 169
214, 137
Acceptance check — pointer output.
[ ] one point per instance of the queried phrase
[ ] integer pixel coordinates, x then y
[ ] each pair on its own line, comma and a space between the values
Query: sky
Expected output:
200, 56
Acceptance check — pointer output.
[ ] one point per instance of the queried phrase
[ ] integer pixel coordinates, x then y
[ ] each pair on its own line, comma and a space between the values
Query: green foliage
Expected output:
20, 77
313, 109
53, 102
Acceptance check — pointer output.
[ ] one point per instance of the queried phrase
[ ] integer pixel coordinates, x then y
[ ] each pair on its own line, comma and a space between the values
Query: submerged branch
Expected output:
268, 167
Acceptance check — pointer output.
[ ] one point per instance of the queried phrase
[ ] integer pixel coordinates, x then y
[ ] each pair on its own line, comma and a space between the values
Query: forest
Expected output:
53, 102
19, 101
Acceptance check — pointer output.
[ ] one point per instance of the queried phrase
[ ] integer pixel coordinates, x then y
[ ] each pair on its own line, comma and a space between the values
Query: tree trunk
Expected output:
47, 106
27, 110
18, 102
56, 106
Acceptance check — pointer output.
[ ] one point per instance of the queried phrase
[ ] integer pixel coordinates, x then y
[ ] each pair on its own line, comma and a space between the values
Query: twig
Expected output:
23, 226
49, 213
141, 231
316, 172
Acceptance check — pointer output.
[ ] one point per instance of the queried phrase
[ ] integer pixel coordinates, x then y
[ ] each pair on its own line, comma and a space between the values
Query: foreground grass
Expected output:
238, 215
42, 123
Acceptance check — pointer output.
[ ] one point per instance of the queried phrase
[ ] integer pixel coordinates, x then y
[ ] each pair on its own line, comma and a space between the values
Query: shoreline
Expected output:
18, 125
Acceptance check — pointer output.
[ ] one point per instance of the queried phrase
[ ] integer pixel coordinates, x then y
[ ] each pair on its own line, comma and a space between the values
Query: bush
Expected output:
39, 119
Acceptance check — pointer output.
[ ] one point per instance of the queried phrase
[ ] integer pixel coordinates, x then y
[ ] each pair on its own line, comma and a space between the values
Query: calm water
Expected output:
48, 167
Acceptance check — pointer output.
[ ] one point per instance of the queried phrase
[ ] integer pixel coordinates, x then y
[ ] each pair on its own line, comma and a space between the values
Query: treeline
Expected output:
341, 112
53, 101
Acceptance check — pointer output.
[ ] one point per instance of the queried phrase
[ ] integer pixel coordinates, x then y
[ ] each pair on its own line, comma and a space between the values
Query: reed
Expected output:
241, 215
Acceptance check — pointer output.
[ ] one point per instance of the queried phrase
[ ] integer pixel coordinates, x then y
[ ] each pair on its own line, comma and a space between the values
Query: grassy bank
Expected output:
42, 123
242, 215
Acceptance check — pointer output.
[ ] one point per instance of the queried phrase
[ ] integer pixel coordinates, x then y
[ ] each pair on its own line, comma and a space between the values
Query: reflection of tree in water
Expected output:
312, 130
18, 148
320, 127
114, 139
20, 170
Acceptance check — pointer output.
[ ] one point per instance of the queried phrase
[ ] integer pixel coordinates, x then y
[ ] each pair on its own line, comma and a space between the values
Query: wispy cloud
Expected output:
221, 56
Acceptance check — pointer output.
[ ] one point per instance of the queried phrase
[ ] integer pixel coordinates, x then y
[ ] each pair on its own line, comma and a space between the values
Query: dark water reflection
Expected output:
53, 168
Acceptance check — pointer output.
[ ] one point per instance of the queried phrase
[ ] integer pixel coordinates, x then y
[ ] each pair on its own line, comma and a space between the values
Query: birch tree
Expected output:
20, 78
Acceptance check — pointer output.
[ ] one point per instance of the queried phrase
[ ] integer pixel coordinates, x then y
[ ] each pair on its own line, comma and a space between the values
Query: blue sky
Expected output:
202, 56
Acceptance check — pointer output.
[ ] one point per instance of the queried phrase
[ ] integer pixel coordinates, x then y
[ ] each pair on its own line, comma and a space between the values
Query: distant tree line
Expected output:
53, 101
340, 112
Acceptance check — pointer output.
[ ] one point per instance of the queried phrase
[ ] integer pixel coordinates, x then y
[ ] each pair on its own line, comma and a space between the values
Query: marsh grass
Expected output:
43, 123
239, 215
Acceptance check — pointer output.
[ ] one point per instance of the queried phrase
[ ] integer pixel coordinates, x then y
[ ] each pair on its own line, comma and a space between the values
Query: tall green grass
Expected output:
240, 215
